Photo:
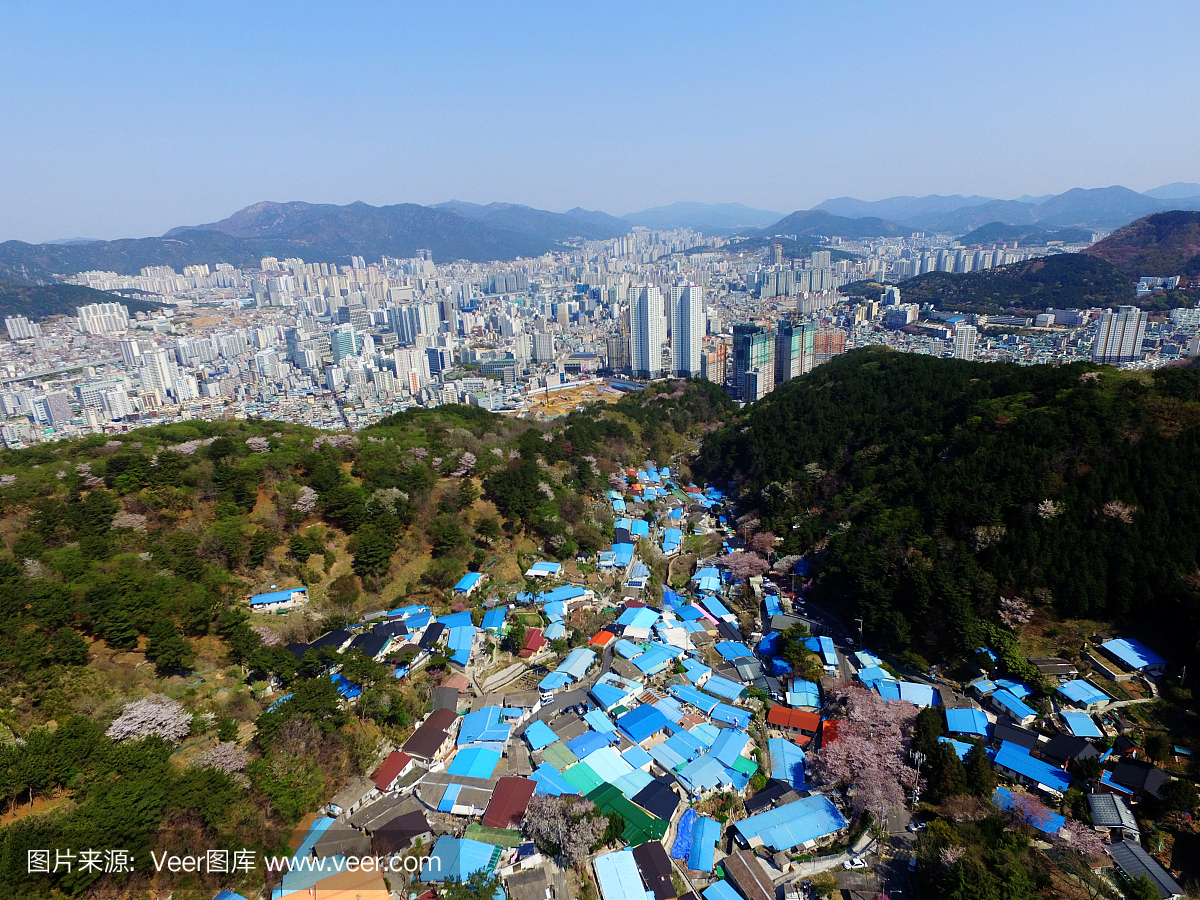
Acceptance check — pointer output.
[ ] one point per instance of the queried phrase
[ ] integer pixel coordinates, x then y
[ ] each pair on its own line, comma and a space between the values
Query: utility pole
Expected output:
860, 631
917, 757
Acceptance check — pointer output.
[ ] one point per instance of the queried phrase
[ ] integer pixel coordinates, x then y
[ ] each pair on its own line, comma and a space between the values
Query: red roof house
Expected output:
395, 767
509, 799
534, 642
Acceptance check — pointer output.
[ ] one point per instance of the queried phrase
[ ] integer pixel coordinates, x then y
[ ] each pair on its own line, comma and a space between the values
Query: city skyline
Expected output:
136, 121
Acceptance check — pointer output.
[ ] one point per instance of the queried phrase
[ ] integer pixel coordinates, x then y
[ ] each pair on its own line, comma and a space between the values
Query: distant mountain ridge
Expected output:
711, 218
820, 222
1097, 208
505, 231
901, 208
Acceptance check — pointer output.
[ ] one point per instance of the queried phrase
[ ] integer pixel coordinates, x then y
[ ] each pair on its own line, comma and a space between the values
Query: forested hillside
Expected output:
929, 489
1063, 281
128, 656
1163, 244
37, 301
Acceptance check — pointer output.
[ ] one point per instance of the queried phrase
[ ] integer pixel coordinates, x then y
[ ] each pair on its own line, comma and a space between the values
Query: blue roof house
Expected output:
802, 823
1008, 704
467, 584
1083, 695
1135, 655
285, 599
1015, 762
457, 858
967, 721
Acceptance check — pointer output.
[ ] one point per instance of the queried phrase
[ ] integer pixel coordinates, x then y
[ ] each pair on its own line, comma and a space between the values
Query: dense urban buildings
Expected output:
340, 346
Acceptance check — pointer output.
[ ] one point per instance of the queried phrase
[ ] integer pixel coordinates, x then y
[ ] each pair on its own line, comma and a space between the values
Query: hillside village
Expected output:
684, 724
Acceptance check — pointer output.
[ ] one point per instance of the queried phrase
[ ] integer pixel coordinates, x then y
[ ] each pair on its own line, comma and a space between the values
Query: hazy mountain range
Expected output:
1095, 208
480, 232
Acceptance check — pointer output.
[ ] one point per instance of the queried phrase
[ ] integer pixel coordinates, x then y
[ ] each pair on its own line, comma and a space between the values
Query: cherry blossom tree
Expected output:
1028, 810
258, 444
1081, 839
307, 501
152, 715
562, 824
466, 463
1014, 612
743, 565
870, 756
268, 637
763, 542
227, 757
334, 440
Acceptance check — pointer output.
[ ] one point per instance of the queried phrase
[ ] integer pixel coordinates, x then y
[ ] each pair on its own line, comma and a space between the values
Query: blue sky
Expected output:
126, 119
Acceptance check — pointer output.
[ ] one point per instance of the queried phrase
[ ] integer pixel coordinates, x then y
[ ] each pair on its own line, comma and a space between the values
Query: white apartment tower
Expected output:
964, 342
1119, 335
687, 331
648, 331
158, 372
104, 318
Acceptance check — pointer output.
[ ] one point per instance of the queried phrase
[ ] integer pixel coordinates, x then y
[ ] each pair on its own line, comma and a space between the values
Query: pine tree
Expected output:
981, 779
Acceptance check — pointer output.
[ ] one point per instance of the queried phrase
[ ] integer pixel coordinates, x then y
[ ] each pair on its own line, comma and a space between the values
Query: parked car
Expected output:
854, 862
914, 826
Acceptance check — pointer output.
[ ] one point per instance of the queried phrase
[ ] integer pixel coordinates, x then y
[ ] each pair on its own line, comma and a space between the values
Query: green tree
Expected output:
293, 784
929, 726
119, 632
468, 493
260, 546
372, 550
488, 528
515, 492
167, 649
443, 572
478, 884
823, 884
1157, 746
446, 534
1180, 794
1141, 888
67, 648
343, 591
945, 775
981, 777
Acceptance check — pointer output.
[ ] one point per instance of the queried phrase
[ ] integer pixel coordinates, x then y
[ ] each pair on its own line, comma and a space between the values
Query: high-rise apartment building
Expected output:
712, 364
104, 319
20, 328
617, 350
414, 319
342, 342
753, 356
648, 329
158, 373
131, 353
793, 350
543, 347
687, 331
964, 341
412, 368
827, 344
1119, 335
